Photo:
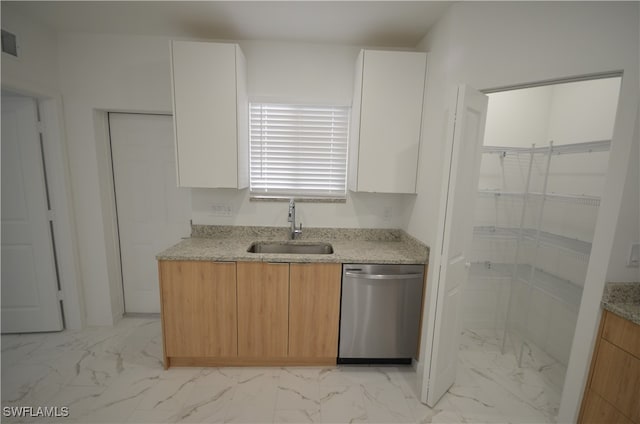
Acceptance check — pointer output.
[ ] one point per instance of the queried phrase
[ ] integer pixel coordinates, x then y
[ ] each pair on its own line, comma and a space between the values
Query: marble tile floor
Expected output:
506, 392
115, 375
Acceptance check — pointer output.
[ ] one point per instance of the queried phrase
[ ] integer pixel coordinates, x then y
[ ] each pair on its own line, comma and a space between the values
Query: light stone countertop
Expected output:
230, 243
623, 299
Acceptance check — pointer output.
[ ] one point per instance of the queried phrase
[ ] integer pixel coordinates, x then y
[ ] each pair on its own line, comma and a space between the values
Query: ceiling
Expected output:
364, 23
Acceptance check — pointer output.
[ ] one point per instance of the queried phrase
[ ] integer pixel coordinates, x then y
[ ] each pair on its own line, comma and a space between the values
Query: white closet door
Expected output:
153, 213
29, 285
464, 142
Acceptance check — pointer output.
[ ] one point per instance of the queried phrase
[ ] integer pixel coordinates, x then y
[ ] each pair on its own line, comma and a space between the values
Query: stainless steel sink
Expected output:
291, 248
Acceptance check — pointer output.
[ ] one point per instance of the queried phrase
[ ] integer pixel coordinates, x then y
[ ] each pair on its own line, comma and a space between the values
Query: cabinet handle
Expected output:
383, 276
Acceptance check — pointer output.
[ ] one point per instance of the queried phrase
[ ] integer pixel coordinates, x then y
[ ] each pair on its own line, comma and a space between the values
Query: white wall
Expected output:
489, 45
301, 73
583, 111
361, 210
132, 73
518, 118
98, 73
567, 113
36, 66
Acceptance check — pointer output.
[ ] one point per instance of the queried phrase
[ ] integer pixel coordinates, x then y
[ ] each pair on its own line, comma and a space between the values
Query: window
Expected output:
298, 151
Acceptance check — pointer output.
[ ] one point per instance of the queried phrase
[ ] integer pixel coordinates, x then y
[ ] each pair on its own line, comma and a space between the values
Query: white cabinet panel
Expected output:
386, 121
210, 108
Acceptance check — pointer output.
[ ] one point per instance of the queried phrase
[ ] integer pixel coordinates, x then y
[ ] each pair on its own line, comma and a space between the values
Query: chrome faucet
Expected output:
292, 219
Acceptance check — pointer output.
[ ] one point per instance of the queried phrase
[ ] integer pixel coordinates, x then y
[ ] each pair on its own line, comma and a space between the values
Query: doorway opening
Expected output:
544, 164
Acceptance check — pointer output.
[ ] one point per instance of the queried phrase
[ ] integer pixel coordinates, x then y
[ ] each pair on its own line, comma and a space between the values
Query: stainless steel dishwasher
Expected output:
380, 313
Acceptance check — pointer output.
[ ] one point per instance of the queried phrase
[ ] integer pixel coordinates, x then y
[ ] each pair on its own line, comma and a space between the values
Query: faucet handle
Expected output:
297, 231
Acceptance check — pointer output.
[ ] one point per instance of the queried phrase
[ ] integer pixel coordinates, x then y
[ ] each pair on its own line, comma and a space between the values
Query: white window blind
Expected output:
298, 150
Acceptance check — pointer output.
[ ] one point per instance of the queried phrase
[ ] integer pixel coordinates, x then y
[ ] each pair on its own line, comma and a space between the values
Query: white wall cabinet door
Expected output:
29, 281
152, 212
210, 114
386, 121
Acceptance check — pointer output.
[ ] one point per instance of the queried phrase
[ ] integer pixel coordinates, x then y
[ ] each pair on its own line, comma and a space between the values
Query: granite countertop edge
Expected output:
623, 299
350, 246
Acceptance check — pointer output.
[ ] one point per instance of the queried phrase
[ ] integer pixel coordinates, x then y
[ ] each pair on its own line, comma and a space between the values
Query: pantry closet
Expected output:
544, 163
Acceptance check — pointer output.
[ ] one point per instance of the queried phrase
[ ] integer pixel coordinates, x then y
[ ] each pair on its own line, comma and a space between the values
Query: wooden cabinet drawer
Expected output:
622, 333
616, 378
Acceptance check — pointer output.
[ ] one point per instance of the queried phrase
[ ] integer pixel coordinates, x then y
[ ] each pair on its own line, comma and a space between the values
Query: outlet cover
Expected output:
634, 256
221, 209
387, 213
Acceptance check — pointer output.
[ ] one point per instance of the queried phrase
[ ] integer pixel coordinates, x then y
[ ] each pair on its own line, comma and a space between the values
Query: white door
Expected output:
465, 134
152, 212
29, 281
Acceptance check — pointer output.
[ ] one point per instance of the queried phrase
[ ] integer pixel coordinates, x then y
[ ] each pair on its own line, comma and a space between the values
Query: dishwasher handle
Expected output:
382, 276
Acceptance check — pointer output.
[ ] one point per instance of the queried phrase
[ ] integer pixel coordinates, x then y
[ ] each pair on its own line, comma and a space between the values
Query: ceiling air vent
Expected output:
9, 44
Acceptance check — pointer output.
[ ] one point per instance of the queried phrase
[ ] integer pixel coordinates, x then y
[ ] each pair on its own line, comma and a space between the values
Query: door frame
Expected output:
59, 183
109, 220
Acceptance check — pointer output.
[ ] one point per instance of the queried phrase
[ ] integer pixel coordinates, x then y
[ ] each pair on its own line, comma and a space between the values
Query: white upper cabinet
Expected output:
386, 121
210, 110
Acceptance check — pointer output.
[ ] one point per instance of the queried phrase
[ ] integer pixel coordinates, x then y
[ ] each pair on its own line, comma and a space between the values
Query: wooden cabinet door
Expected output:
199, 308
263, 309
598, 410
314, 310
622, 333
616, 378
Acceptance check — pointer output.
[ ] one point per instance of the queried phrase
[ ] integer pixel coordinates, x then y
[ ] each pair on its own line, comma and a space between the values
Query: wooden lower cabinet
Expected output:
616, 378
613, 388
199, 314
249, 313
263, 309
314, 310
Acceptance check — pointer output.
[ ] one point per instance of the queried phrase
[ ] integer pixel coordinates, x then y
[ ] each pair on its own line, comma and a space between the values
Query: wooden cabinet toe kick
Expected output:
246, 362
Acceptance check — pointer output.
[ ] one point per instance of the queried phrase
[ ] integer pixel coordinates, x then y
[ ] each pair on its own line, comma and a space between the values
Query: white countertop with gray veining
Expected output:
230, 243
